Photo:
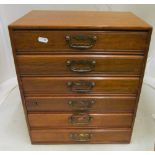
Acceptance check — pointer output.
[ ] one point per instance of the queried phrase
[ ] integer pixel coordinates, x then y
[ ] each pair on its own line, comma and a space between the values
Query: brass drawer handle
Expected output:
81, 86
81, 66
80, 119
88, 41
81, 105
80, 137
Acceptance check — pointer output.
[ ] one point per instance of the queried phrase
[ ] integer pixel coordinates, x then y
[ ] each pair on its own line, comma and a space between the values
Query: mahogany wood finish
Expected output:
80, 77
101, 104
114, 40
80, 119
81, 20
59, 85
58, 65
96, 136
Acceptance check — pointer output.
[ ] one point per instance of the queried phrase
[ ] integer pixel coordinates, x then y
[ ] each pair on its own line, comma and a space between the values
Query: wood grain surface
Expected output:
100, 104
59, 85
86, 20
63, 105
106, 40
59, 136
79, 120
80, 65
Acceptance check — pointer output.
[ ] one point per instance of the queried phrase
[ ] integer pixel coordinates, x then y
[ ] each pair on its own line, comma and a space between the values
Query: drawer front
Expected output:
79, 40
81, 136
79, 64
102, 104
82, 85
82, 120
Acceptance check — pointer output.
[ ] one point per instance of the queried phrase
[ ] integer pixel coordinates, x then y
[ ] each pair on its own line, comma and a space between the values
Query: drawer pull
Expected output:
91, 40
81, 66
81, 86
81, 105
80, 119
80, 137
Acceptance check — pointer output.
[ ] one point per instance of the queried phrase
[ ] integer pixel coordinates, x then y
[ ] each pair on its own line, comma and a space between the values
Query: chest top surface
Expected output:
80, 20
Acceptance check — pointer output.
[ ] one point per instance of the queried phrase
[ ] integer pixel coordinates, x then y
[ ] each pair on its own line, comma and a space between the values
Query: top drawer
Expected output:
78, 41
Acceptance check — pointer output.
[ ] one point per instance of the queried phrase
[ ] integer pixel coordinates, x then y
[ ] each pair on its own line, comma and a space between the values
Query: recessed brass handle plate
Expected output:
80, 119
81, 104
80, 137
86, 41
81, 86
81, 66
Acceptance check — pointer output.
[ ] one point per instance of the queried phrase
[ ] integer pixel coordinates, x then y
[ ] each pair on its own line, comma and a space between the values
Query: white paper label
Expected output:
43, 40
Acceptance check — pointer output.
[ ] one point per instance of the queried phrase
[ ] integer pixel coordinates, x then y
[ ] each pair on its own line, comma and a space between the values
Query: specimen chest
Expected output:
80, 74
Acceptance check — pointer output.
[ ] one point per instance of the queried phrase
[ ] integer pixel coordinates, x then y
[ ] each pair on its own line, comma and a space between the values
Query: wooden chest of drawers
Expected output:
80, 74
